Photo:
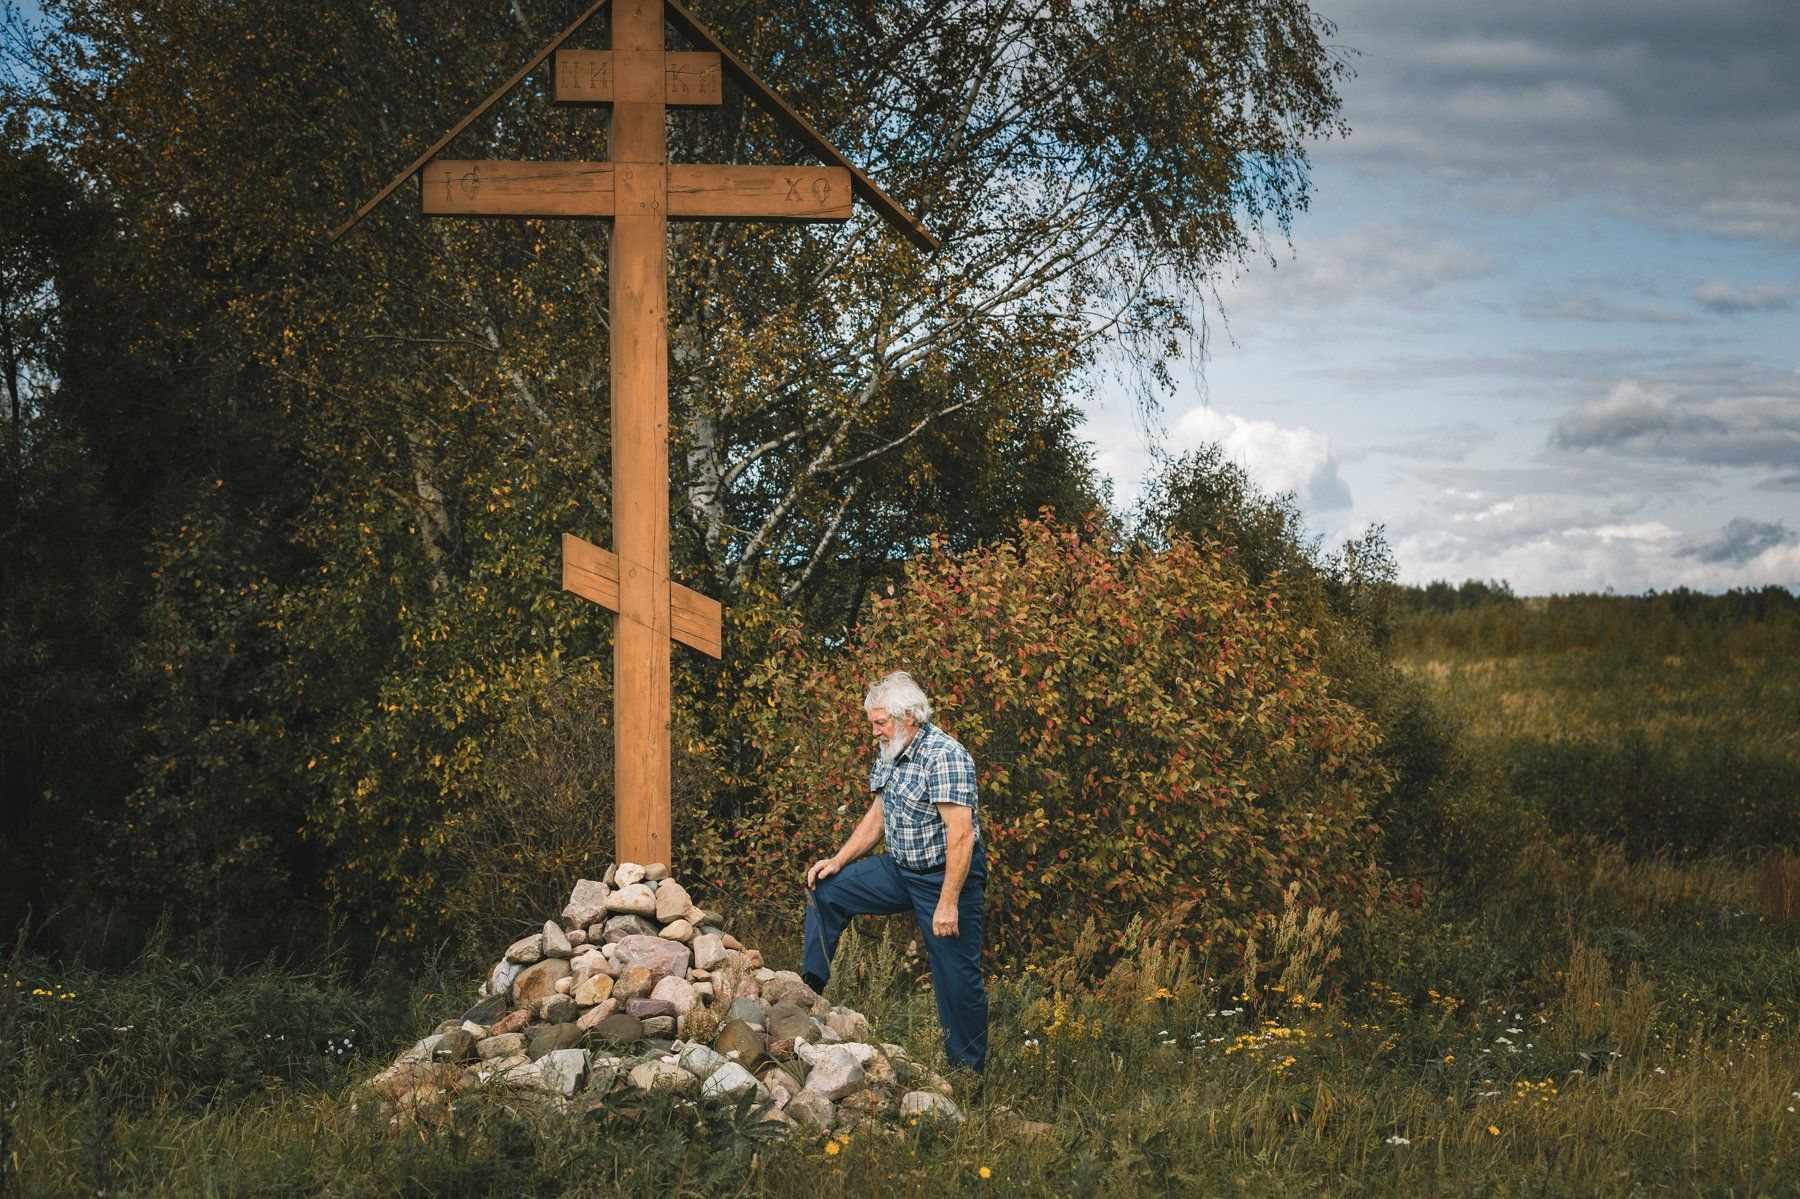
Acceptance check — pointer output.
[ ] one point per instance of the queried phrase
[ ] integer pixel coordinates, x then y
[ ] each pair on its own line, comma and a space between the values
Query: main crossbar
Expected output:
450, 187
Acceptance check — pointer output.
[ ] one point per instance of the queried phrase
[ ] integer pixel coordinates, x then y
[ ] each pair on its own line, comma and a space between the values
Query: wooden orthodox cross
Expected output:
641, 191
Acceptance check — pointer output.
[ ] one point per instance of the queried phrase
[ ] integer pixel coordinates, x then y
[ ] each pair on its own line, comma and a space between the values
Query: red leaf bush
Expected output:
1153, 735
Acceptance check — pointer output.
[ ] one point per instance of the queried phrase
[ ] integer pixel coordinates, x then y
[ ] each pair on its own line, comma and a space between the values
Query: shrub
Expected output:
1150, 730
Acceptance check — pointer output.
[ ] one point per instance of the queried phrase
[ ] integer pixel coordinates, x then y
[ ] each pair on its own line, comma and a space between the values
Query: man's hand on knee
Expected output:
822, 869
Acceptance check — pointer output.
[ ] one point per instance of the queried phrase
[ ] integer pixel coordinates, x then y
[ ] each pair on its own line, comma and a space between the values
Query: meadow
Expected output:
1613, 1014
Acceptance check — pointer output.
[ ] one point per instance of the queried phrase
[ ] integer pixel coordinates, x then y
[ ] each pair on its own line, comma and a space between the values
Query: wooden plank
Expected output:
908, 225
450, 187
698, 192
689, 79
695, 620
468, 118
640, 431
590, 572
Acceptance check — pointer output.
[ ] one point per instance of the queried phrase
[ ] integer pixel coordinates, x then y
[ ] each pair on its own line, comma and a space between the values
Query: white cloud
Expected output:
1589, 552
1663, 109
1280, 459
1389, 264
1726, 298
1758, 429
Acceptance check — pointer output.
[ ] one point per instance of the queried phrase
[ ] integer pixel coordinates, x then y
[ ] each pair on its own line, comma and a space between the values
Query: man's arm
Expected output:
863, 838
959, 829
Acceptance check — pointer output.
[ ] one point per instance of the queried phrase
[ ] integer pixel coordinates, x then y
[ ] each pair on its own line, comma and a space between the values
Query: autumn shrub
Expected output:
1150, 729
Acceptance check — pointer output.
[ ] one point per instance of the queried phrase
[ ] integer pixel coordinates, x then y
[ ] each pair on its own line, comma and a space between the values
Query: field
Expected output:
1614, 1016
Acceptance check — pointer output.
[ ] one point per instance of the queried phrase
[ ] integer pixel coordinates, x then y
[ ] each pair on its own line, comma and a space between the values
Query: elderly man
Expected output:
923, 782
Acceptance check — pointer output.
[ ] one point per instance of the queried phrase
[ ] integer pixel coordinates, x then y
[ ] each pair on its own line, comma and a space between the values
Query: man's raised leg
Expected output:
868, 887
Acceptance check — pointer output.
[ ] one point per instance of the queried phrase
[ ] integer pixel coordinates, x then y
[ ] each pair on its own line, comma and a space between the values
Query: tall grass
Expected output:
1608, 1055
1640, 722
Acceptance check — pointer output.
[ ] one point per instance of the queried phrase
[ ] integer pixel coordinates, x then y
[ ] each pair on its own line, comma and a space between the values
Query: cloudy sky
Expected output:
1542, 321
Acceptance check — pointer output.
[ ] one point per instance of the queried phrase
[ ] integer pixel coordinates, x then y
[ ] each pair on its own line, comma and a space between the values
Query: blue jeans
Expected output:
879, 887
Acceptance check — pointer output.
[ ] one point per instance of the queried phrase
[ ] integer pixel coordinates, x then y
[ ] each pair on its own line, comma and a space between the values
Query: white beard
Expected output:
892, 747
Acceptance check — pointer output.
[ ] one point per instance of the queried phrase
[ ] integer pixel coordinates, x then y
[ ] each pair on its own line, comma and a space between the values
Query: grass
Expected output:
1621, 1028
1619, 721
1611, 1015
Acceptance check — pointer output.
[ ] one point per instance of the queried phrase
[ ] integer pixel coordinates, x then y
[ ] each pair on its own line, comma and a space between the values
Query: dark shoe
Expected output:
815, 982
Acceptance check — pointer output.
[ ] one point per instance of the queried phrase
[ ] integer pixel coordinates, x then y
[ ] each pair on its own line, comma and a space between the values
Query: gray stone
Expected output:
422, 1051
784, 1020
562, 1071
645, 1009
709, 951
620, 1027
835, 1071
655, 872
628, 874
620, 927
556, 942
489, 1009
526, 950
577, 937
741, 1043
635, 900
558, 1009
664, 959
781, 1085
453, 1046
672, 902
849, 1024
657, 1029
548, 1038
611, 877
678, 993
784, 986
728, 1082
507, 1044
662, 1076
755, 1011
539, 980
587, 903
810, 1109
700, 1061
500, 978
931, 1105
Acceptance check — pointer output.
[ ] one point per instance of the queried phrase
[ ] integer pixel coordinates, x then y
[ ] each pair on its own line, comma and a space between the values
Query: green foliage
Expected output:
1150, 731
1658, 722
1414, 1082
1442, 819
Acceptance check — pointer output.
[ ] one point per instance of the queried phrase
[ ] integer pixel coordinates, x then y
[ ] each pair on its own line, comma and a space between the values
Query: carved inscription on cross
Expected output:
640, 191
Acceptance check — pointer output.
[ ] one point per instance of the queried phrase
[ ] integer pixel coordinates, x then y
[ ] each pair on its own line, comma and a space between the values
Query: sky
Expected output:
1541, 321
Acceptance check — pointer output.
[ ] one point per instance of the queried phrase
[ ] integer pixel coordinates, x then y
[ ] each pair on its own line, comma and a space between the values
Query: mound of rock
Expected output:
637, 988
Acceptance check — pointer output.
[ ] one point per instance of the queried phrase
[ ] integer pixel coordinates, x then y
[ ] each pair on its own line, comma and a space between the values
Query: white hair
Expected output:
900, 696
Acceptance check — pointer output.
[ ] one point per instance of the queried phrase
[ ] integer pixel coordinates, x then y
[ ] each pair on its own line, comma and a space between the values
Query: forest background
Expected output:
287, 676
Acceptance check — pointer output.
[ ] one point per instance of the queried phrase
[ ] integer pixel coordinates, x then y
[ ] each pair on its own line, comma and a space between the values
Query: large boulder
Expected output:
529, 989
635, 900
835, 1071
672, 902
587, 904
664, 959
784, 986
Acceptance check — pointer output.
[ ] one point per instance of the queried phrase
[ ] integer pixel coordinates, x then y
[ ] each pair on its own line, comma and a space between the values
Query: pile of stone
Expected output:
637, 988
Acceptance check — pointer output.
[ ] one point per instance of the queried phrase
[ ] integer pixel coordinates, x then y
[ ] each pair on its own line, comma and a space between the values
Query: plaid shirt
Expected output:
934, 768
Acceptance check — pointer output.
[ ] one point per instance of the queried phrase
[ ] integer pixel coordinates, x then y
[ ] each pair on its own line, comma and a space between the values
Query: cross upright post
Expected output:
640, 191
637, 142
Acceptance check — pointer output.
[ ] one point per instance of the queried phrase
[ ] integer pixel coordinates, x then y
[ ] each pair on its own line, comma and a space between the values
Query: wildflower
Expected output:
987, 1173
1397, 1139
831, 1148
1494, 1128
